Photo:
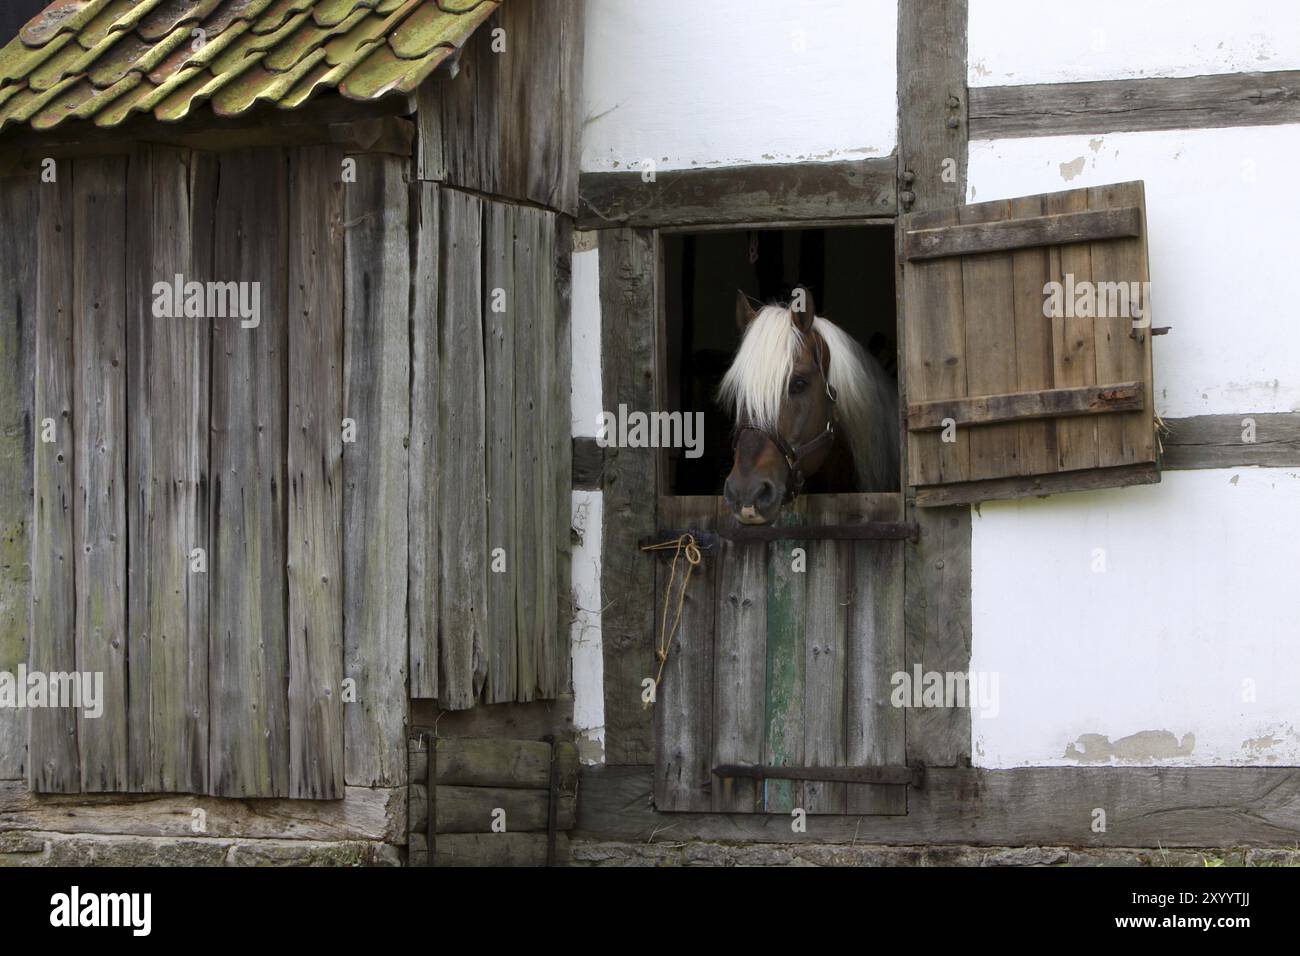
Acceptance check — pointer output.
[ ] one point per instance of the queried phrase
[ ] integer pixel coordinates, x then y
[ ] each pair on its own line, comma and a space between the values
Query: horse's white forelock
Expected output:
758, 379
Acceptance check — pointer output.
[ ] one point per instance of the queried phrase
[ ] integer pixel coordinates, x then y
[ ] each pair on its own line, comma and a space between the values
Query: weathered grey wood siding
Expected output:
491, 465
200, 535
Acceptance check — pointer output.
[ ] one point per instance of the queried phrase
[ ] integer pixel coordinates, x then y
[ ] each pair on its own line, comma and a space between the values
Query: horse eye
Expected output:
797, 385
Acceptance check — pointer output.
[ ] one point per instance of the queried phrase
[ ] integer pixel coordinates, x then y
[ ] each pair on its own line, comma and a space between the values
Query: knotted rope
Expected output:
687, 545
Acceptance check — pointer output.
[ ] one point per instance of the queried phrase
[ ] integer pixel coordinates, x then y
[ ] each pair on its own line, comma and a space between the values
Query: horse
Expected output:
808, 402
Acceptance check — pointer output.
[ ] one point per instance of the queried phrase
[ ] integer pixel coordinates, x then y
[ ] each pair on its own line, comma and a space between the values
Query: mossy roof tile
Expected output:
107, 60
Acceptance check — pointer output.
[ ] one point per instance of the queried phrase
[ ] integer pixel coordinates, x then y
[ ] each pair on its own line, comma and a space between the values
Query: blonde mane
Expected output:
867, 406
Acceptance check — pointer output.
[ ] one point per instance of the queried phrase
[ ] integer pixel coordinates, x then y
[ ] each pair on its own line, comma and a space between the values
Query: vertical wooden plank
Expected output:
54, 763
1121, 357
376, 396
422, 541
529, 414
20, 202
560, 427
875, 728
989, 317
99, 461
1073, 351
462, 515
787, 608
503, 297
627, 335
739, 669
826, 649
551, 653
932, 146
1029, 267
684, 709
315, 465
935, 352
167, 380
248, 651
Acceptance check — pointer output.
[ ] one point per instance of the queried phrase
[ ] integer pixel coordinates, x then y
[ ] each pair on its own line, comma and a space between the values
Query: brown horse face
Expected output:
759, 479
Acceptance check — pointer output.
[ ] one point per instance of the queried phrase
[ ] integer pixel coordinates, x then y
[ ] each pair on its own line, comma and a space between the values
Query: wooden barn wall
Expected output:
509, 124
178, 434
490, 465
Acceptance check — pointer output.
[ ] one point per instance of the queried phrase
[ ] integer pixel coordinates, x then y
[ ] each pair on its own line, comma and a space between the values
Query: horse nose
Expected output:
762, 495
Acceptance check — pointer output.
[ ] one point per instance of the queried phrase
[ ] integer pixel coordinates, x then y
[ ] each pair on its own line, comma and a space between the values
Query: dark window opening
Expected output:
850, 270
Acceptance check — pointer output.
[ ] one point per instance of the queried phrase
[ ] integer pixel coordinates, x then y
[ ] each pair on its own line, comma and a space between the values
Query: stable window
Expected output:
775, 695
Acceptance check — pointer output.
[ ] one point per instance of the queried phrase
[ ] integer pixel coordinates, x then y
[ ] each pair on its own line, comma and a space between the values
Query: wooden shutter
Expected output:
1039, 404
777, 667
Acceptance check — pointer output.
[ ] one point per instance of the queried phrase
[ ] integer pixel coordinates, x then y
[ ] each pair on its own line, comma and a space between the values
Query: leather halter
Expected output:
795, 455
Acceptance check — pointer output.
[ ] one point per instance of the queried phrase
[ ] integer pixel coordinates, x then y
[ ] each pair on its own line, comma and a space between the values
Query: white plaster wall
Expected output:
588, 662
588, 513
686, 84
1195, 610
1030, 41
1222, 209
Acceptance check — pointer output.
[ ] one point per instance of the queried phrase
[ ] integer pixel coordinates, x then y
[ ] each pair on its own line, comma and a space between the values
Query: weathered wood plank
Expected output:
530, 721
848, 189
20, 202
99, 461
932, 128
1073, 341
1146, 103
552, 652
474, 809
167, 381
989, 320
994, 236
362, 813
739, 667
787, 610
932, 150
1015, 406
462, 512
1034, 806
830, 576
876, 651
1034, 366
505, 314
498, 762
1221, 441
422, 531
315, 466
684, 709
376, 396
560, 428
54, 763
627, 307
993, 489
1123, 352
248, 648
935, 359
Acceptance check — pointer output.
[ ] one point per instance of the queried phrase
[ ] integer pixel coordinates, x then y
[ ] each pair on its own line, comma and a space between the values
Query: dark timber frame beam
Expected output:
1031, 806
1117, 106
932, 175
786, 192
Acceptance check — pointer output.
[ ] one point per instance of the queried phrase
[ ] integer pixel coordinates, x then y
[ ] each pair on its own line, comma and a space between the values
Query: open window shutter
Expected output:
779, 676
1002, 400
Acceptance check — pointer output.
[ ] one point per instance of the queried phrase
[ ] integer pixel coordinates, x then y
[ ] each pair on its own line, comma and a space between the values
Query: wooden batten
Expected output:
1017, 406
939, 241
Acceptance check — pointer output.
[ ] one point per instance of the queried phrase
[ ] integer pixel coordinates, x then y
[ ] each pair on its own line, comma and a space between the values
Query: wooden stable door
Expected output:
779, 674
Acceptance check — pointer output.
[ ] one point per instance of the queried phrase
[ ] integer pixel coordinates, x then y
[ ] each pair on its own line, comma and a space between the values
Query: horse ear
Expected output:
802, 310
744, 312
